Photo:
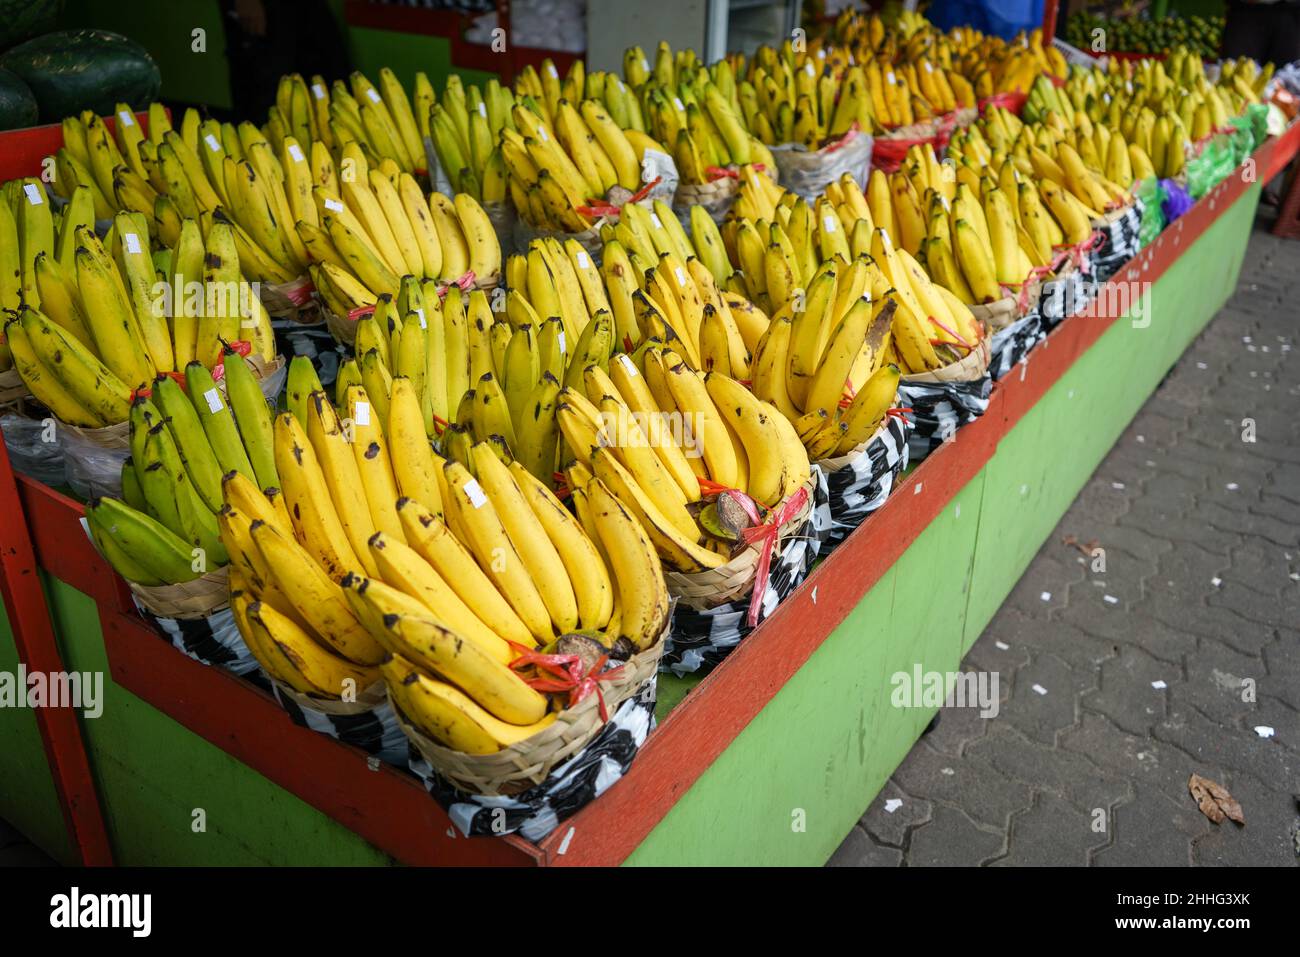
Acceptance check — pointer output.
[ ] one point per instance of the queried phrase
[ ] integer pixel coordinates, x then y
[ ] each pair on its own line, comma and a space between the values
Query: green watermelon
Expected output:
17, 105
25, 19
74, 70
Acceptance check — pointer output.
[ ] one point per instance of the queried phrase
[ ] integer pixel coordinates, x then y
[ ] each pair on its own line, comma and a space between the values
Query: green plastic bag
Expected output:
1216, 162
1152, 196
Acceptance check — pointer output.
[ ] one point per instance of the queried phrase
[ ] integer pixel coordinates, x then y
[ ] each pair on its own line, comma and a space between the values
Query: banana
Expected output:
89, 382
404, 569
148, 542
452, 560
294, 656
43, 384
316, 598
456, 251
755, 422
491, 684
867, 410
450, 716
109, 315
683, 553
252, 416
705, 423
528, 536
478, 517
316, 523
643, 594
341, 476
217, 420
481, 238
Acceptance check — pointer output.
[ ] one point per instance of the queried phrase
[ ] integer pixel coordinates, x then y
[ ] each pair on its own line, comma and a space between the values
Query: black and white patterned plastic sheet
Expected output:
846, 496
1121, 240
939, 409
212, 640
374, 730
699, 640
581, 779
1014, 342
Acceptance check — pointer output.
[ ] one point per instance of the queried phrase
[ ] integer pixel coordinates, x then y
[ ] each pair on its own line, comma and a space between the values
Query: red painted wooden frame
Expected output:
24, 149
380, 805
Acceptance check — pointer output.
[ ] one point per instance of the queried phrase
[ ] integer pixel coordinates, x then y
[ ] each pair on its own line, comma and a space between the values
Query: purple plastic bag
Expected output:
1177, 200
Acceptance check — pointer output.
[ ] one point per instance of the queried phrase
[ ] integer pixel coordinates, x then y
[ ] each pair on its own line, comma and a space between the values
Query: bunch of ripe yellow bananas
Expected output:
384, 548
465, 128
560, 166
365, 231
783, 255
653, 429
88, 325
184, 438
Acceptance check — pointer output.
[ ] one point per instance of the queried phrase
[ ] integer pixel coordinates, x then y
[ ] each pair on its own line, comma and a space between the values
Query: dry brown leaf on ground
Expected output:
1214, 800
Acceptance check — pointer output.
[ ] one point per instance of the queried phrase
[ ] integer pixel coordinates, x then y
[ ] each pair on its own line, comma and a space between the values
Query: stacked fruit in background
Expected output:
1159, 107
1136, 34
185, 434
970, 63
92, 327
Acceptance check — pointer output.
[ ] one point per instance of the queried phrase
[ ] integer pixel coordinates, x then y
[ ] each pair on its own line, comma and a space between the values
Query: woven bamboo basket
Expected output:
1006, 311
715, 196
189, 600
715, 586
524, 765
972, 366
341, 328
837, 462
367, 700
289, 300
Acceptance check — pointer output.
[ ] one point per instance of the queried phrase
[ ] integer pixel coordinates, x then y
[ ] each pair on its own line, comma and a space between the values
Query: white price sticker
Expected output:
550, 68
654, 218
929, 68
628, 365
645, 64
476, 496
828, 223
213, 143
295, 151
333, 205
677, 101
584, 261
126, 118
213, 398
563, 347
363, 413
419, 314
132, 243
318, 91
482, 109
373, 94
681, 276
890, 79
808, 68
33, 192
541, 131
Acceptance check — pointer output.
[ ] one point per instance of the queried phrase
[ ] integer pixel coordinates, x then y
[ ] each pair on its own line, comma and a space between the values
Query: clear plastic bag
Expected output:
34, 447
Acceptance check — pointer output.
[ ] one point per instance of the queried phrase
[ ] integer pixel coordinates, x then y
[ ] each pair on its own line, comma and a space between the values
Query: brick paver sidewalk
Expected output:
1149, 669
